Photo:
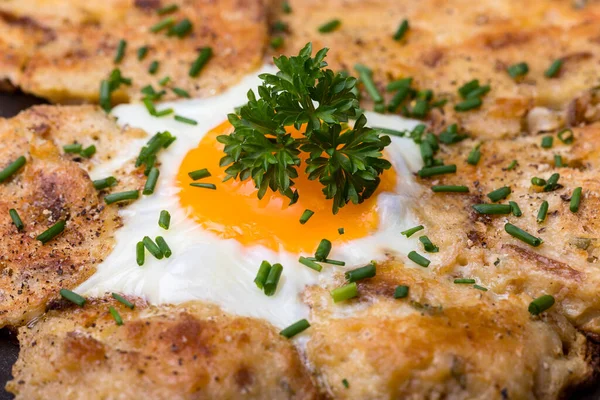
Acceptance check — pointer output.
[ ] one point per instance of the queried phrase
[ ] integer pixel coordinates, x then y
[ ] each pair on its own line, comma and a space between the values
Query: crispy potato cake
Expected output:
52, 187
62, 50
190, 351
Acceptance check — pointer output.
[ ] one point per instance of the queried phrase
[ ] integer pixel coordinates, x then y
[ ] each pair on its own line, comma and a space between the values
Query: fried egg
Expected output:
220, 237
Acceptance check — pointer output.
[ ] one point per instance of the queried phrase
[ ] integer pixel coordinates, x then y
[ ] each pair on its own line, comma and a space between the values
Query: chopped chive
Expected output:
420, 109
186, 120
121, 196
409, 232
330, 26
538, 181
499, 194
199, 174
52, 232
142, 52
88, 151
379, 107
429, 247
513, 164
285, 7
522, 235
514, 208
163, 246
418, 259
398, 98
470, 103
203, 57
165, 23
401, 31
295, 329
341, 231
120, 51
368, 271
543, 211
483, 289
140, 253
547, 142
552, 183
276, 42
366, 77
116, 316
345, 292
328, 261
492, 209
306, 216
164, 112
345, 383
164, 81
153, 67
72, 148
279, 26
164, 221
399, 84
427, 172
180, 92
12, 168
181, 28
152, 248
401, 292
449, 189
464, 281
541, 304
262, 274
204, 185
151, 181
575, 200
72, 297
474, 156
391, 132
273, 279
323, 250
310, 264
16, 219
518, 70
554, 69
479, 92
123, 300
468, 87
104, 98
558, 161
101, 184
167, 9
566, 136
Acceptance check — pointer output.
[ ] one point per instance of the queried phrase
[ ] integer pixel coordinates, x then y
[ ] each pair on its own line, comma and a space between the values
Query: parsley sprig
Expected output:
303, 94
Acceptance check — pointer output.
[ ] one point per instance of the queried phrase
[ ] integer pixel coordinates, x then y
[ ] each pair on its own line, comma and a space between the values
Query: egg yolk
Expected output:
234, 211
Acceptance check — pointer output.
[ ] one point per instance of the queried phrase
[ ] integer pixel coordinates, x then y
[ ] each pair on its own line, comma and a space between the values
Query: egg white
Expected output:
206, 267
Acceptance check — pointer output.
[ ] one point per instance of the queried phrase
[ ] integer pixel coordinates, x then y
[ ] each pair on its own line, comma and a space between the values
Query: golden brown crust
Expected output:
190, 351
73, 46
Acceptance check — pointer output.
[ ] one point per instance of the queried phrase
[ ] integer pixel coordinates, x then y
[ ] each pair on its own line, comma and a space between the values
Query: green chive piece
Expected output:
151, 181
306, 216
552, 183
323, 250
575, 200
479, 92
101, 184
368, 271
16, 219
547, 142
262, 274
541, 304
483, 289
328, 261
399, 84
12, 168
419, 259
499, 194
401, 292
514, 208
121, 196
153, 67
391, 132
52, 232
88, 151
72, 148
165, 23
164, 112
449, 189
566, 136
104, 99
401, 31
185, 120
116, 316
543, 211
518, 70
330, 26
164, 81
310, 264
123, 300
341, 231
164, 221
277, 42
120, 51
427, 172
203, 57
554, 69
420, 109
273, 279
558, 161
72, 297
345, 383
513, 164
538, 181
345, 292
379, 108
522, 235
474, 156
398, 98
142, 52
468, 87
152, 248
429, 247
163, 246
409, 232
167, 9
285, 7
366, 77
492, 209
295, 329
464, 281
204, 185
140, 253
469, 104
279, 26
180, 92
180, 29
199, 174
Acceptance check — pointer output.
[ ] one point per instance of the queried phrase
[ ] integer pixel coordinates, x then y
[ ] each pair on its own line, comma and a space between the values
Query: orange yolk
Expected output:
233, 210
